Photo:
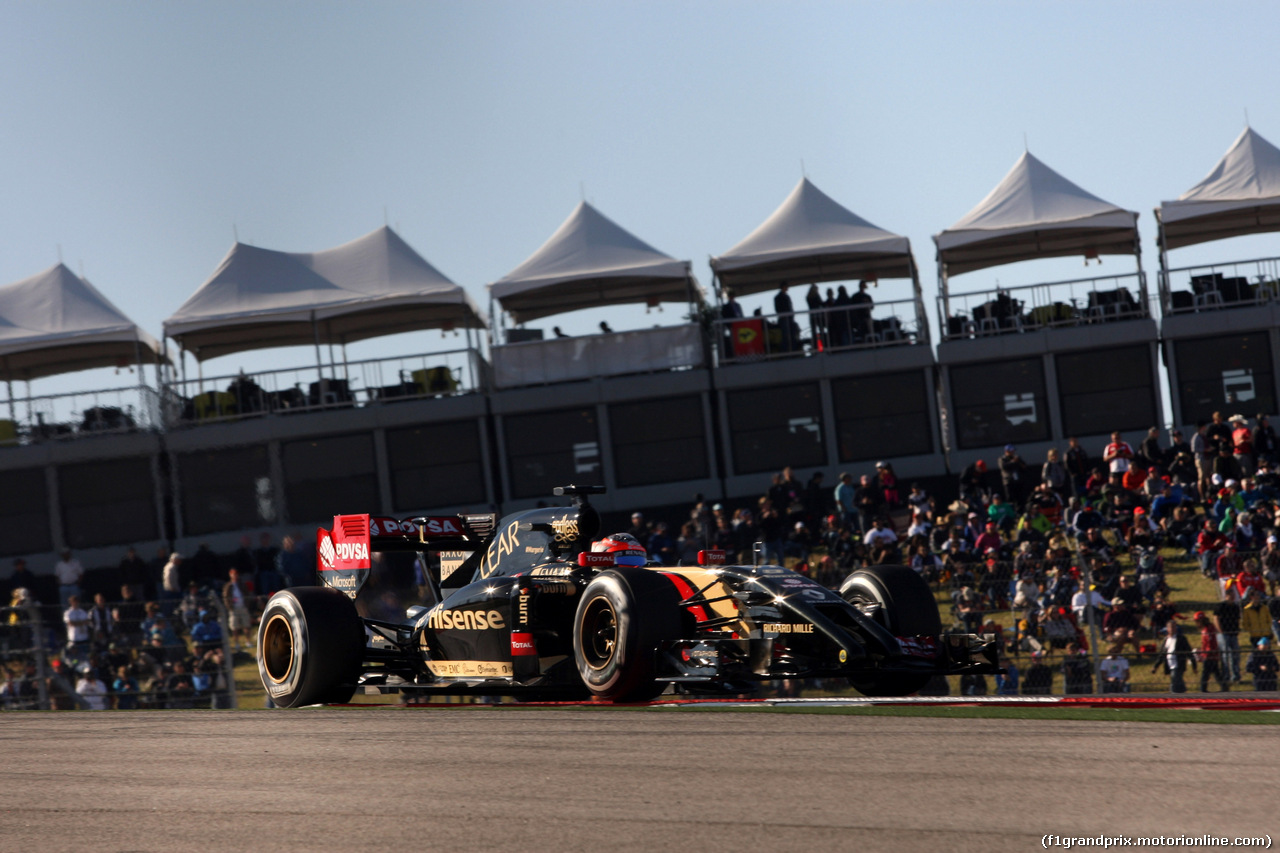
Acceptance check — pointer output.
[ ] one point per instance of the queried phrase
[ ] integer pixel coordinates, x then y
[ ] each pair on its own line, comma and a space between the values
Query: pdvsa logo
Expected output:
351, 551
326, 550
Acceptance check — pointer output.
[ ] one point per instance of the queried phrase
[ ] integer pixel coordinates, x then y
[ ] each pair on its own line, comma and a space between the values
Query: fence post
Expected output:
42, 663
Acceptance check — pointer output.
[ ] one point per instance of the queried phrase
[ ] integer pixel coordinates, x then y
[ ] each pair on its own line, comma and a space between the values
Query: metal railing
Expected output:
587, 356
34, 418
1049, 305
332, 386
841, 328
1213, 287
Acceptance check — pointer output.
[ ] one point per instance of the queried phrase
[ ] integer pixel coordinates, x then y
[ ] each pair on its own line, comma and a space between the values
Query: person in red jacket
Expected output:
1251, 578
1117, 454
1208, 546
1209, 654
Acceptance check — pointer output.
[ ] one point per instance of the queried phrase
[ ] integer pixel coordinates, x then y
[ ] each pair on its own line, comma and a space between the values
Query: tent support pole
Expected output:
943, 321
142, 375
8, 380
315, 331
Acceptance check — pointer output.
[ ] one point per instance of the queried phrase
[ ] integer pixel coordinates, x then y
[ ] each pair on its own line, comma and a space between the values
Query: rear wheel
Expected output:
900, 600
622, 617
310, 646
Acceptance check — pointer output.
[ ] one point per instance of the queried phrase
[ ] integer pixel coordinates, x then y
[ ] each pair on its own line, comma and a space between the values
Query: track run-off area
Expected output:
798, 775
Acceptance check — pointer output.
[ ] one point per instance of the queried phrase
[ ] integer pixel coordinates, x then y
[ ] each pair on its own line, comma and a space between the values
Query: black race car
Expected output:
526, 608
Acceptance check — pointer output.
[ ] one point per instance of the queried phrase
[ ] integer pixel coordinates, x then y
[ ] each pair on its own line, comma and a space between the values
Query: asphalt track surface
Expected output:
580, 779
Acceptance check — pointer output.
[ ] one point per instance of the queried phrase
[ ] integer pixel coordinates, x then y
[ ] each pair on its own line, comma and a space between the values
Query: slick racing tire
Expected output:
310, 647
622, 617
905, 607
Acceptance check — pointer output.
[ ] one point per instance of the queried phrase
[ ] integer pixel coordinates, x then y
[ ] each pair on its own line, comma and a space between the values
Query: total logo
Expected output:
522, 644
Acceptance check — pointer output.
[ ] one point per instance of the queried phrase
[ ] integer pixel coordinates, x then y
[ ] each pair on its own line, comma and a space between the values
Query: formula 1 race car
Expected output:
527, 608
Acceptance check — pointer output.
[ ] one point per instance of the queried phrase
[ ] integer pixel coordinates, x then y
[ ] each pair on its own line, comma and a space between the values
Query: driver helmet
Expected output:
624, 547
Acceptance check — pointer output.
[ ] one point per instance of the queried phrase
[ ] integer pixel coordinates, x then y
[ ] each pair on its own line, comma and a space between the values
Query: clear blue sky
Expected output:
137, 135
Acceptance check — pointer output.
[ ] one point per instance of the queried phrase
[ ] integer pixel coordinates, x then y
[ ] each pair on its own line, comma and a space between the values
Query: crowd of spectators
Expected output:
163, 633
1051, 554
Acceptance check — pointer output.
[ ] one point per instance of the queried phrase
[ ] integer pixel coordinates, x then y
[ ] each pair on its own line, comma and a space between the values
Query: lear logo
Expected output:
326, 550
351, 551
506, 543
465, 620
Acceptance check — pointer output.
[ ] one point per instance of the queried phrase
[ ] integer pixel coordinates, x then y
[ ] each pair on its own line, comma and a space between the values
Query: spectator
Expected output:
846, 499
881, 541
1078, 464
1150, 449
133, 572
1114, 674
293, 565
1077, 671
1242, 445
661, 546
171, 579
92, 690
689, 544
817, 498
204, 566
236, 599
69, 572
78, 627
21, 576
861, 305
1262, 665
638, 530
785, 312
1120, 626
1054, 473
1118, 455
1013, 476
125, 689
1264, 440
1007, 678
1209, 547
1088, 606
1003, 514
1038, 680
128, 614
973, 483
1255, 618
1210, 655
179, 687
102, 626
207, 633
772, 532
887, 482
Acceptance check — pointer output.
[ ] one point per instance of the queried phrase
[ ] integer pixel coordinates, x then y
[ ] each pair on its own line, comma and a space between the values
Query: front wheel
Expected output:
622, 617
901, 601
310, 647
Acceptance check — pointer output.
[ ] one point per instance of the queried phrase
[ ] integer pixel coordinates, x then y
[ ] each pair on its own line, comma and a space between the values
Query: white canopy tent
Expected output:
1035, 213
1240, 196
810, 238
591, 261
373, 286
56, 322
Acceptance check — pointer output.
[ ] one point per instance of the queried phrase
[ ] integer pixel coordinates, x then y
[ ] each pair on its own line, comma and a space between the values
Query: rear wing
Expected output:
343, 552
